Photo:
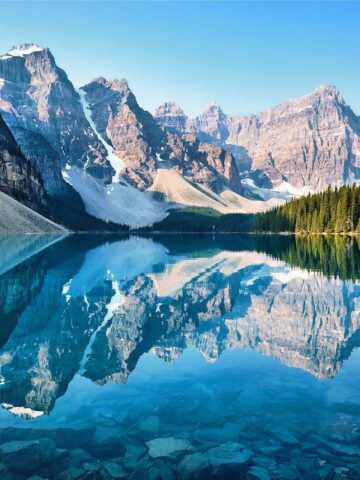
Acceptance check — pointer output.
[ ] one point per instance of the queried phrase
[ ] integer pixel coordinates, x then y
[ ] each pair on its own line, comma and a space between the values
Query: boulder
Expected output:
27, 456
167, 446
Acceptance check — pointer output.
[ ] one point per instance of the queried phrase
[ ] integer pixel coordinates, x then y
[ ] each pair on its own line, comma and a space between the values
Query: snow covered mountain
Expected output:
97, 150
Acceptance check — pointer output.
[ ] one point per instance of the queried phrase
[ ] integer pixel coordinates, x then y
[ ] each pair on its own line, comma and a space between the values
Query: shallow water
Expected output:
179, 357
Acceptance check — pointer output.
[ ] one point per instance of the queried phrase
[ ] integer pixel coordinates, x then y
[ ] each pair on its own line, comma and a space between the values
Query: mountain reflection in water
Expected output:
90, 307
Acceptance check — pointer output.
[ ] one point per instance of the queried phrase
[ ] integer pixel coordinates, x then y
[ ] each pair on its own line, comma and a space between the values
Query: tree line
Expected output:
331, 211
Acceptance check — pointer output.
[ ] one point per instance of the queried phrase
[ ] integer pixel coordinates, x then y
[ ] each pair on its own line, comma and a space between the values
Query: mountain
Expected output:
144, 147
25, 205
311, 141
97, 150
18, 178
23, 200
177, 167
18, 218
98, 153
44, 112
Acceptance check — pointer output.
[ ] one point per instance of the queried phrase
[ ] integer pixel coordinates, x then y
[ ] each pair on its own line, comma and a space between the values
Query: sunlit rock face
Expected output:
44, 112
311, 141
93, 309
171, 116
144, 147
81, 141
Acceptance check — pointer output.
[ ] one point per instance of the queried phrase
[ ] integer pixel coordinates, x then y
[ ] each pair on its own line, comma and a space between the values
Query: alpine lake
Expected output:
179, 357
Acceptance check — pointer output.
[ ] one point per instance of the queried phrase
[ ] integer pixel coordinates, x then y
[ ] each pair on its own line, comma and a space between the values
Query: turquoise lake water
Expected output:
174, 357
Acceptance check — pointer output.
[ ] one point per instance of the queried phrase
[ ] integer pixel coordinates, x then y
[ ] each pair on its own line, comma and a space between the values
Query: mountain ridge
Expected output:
292, 142
100, 153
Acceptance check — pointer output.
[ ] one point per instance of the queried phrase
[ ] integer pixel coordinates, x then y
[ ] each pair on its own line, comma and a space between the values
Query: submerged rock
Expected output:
285, 472
73, 473
342, 428
283, 435
167, 446
218, 462
27, 456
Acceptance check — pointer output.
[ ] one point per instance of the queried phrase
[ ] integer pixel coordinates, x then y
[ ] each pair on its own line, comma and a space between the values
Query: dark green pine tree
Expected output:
341, 217
331, 211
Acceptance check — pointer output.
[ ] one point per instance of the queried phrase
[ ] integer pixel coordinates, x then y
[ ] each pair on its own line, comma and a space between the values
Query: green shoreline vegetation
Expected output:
333, 211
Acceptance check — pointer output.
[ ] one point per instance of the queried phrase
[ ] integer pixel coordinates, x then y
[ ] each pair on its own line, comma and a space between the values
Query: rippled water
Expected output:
179, 358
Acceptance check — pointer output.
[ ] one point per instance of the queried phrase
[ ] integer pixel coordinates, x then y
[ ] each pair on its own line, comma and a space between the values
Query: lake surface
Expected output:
196, 357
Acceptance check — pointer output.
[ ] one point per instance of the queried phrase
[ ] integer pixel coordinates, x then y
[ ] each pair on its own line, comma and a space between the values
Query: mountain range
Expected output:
308, 142
93, 153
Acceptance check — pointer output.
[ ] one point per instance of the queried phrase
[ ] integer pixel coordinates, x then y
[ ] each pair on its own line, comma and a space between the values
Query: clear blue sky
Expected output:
245, 56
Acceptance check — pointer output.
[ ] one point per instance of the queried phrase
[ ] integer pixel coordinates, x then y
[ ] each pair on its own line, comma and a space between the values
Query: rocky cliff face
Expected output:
144, 147
17, 176
172, 117
311, 141
44, 112
83, 141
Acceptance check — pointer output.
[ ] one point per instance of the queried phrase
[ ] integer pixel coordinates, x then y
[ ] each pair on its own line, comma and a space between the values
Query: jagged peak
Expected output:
22, 50
169, 109
116, 84
213, 108
323, 92
327, 92
326, 88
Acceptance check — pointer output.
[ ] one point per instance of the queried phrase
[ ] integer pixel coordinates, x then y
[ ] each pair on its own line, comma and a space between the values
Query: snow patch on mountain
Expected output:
286, 187
22, 51
284, 191
114, 160
118, 202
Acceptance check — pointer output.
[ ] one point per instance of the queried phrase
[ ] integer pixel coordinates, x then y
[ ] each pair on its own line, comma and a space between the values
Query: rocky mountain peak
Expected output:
171, 117
210, 124
116, 84
43, 110
213, 108
324, 95
169, 109
327, 91
22, 51
309, 141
